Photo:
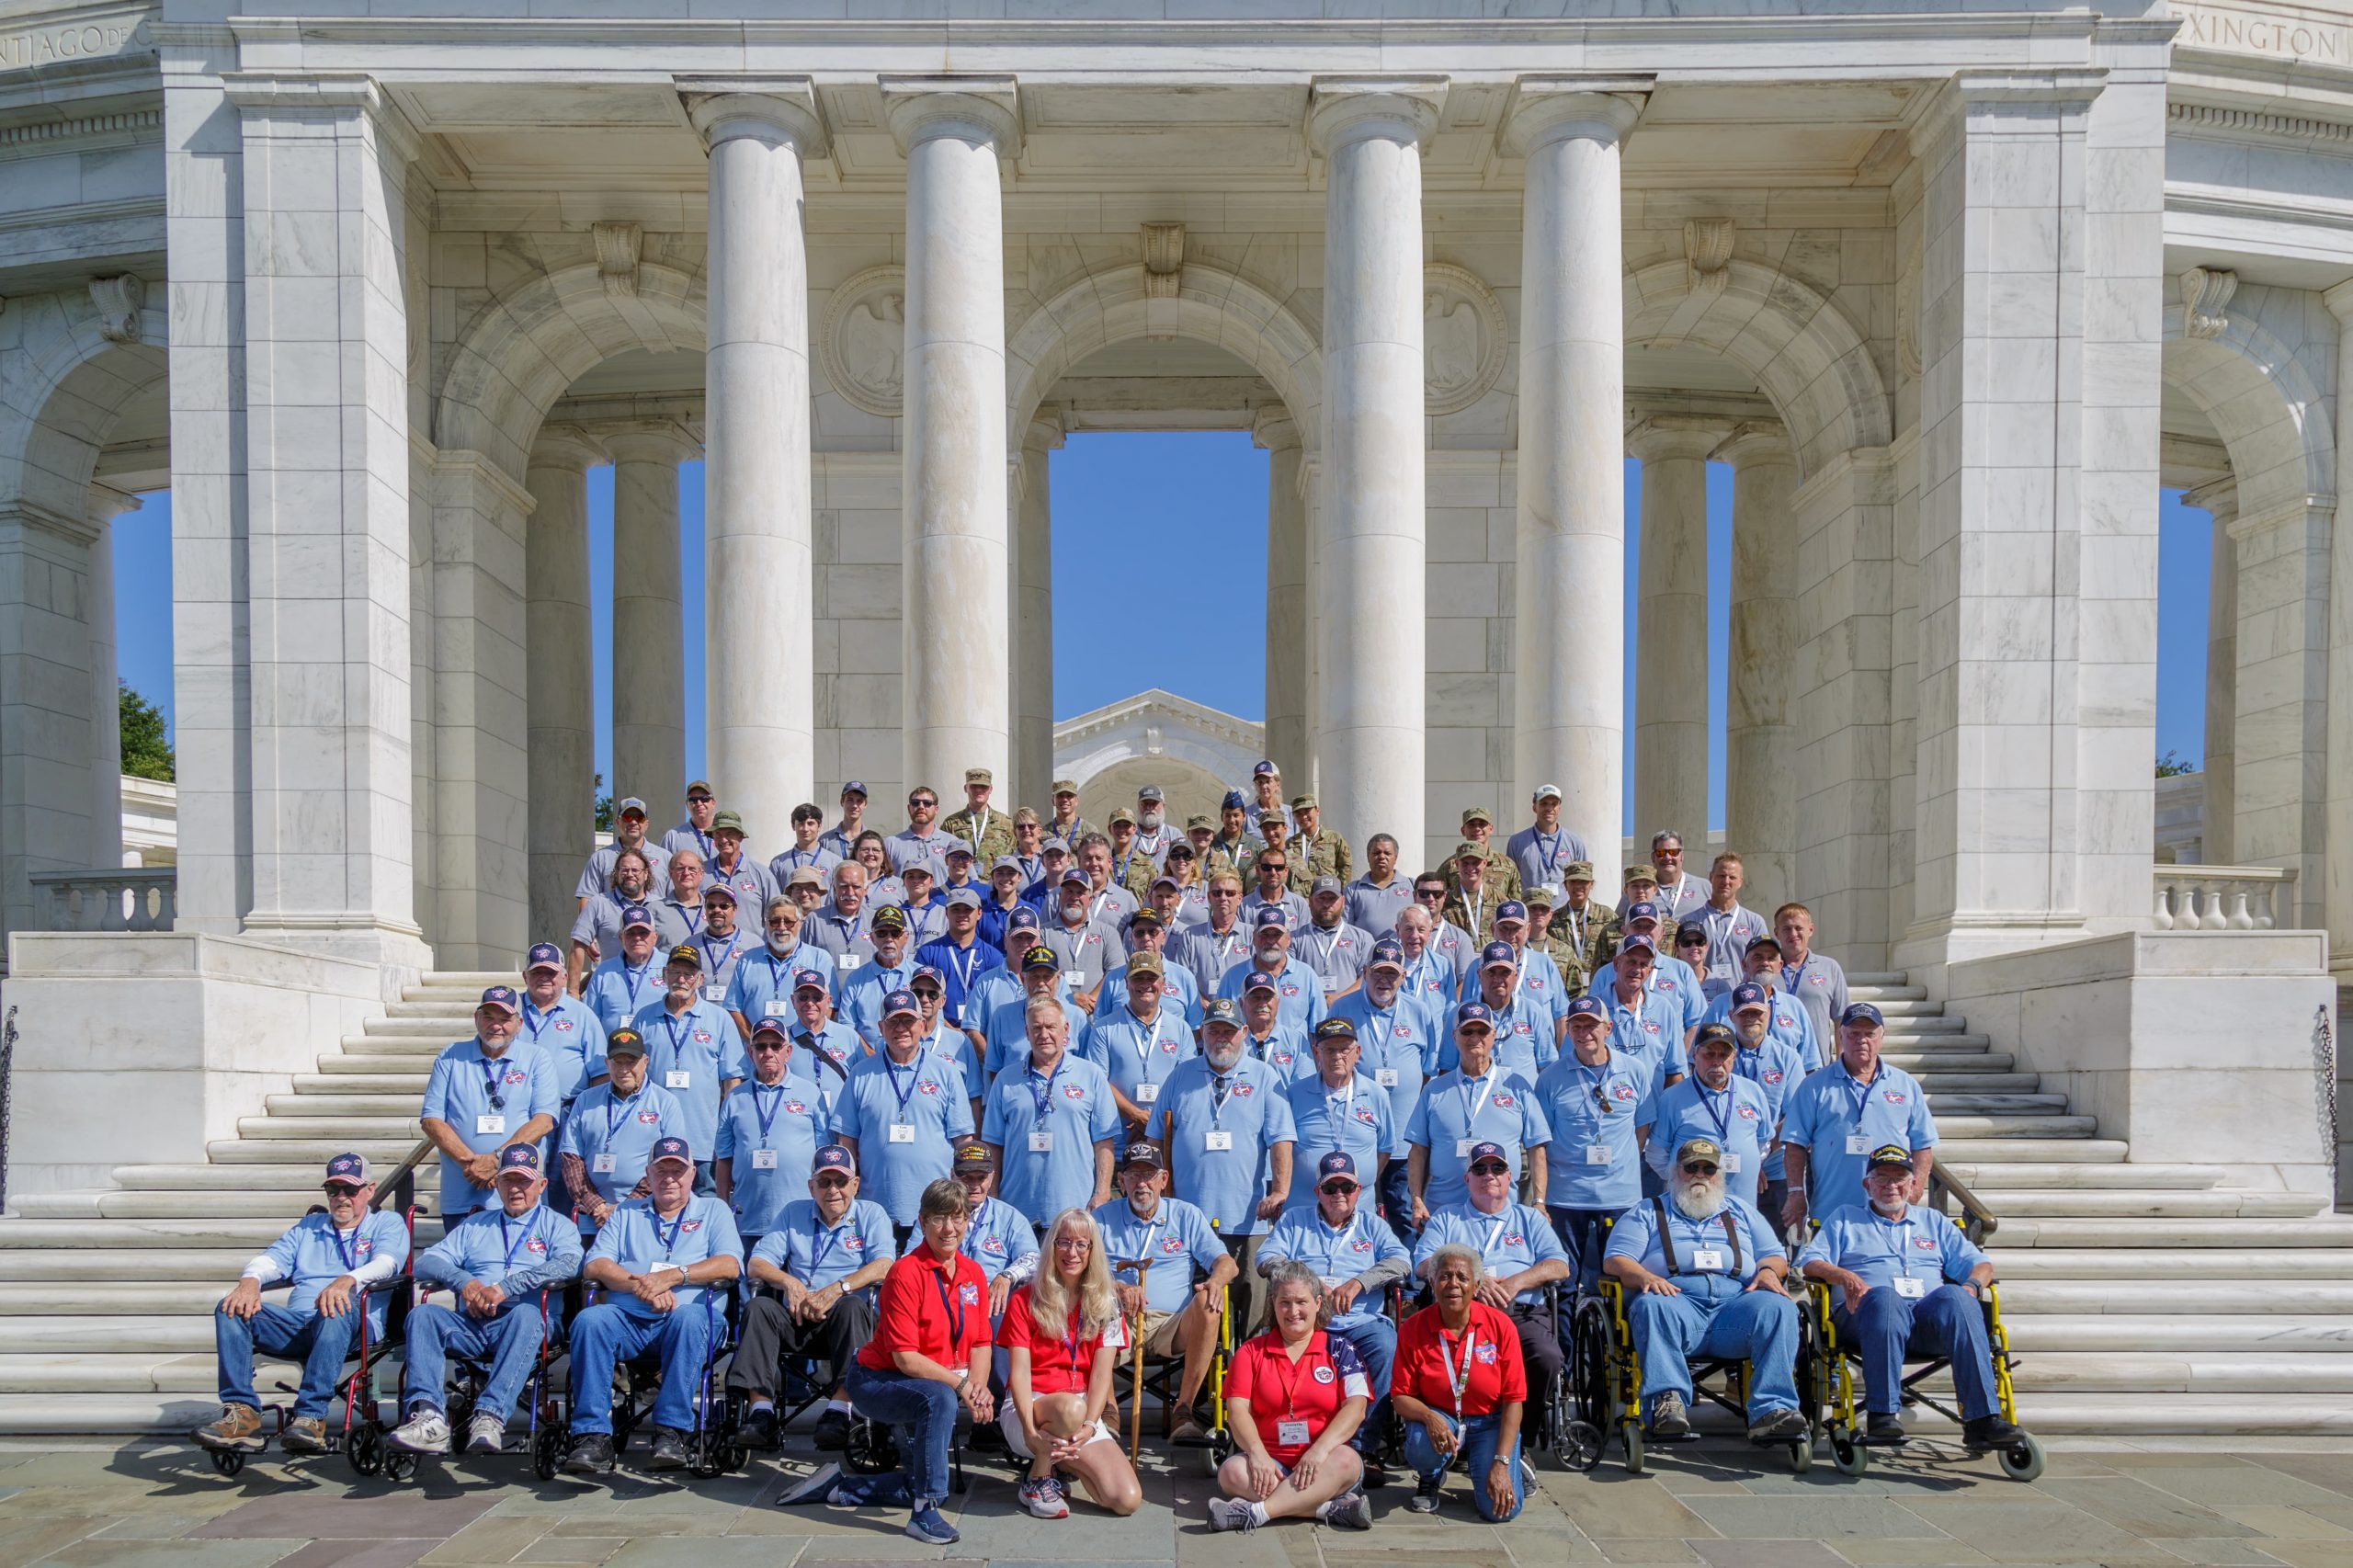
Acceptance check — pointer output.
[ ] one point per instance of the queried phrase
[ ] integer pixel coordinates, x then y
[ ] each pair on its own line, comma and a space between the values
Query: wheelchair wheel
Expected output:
1847, 1455
366, 1452
1801, 1455
1632, 1433
871, 1450
226, 1462
707, 1461
2021, 1460
547, 1452
398, 1468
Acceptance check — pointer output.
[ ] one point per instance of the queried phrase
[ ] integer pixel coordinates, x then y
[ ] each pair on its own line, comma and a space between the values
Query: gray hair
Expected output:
1290, 1271
1459, 1252
1044, 1004
1662, 835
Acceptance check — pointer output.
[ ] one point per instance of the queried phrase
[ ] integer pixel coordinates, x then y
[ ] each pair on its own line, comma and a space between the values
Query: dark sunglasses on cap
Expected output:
833, 1181
1334, 1188
1491, 1168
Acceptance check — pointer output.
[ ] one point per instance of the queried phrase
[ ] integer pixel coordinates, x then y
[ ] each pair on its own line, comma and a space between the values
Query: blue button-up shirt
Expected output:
1830, 1114
1922, 1245
1299, 993
617, 992
313, 1254
1738, 1119
1138, 1056
1225, 1184
600, 1124
1337, 1255
762, 987
1397, 1046
519, 1256
570, 1034
1524, 1038
837, 1043
1649, 1030
863, 989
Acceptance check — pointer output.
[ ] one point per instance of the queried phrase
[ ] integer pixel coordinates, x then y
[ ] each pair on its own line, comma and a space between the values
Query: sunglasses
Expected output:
923, 801
1489, 1167
829, 1181
1699, 1170
340, 1190
767, 1045
1334, 1188
1438, 893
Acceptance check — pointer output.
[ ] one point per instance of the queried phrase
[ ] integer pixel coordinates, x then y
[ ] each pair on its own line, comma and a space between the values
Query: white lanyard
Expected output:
980, 829
1474, 910
1347, 1102
1461, 1380
1486, 1087
1495, 1233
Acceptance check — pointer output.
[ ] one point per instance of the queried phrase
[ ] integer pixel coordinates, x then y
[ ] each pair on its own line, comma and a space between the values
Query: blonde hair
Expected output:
1050, 1300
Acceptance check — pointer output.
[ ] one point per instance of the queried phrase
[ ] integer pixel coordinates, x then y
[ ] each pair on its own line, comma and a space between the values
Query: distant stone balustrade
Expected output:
2224, 898
139, 898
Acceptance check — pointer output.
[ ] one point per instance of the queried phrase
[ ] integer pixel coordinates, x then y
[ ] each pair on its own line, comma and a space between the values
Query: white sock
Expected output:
840, 1404
762, 1404
1323, 1509
1258, 1513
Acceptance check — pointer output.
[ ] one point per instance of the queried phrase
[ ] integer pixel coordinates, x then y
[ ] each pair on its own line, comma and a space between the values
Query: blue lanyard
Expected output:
1220, 1086
670, 1022
530, 1227
1719, 1115
670, 1240
822, 1243
535, 1020
1042, 1095
711, 966
1862, 1094
614, 1109
489, 1070
690, 913
778, 972
345, 1249
1593, 1079
636, 980
767, 1118
950, 1305
915, 1076
1551, 853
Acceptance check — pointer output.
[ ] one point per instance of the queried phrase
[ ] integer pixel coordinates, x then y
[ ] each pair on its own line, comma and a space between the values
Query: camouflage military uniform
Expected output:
1573, 972
1329, 856
1231, 854
996, 840
1457, 913
1601, 934
1501, 879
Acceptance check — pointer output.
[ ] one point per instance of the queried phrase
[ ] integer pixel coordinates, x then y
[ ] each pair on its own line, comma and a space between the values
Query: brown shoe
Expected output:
239, 1429
304, 1436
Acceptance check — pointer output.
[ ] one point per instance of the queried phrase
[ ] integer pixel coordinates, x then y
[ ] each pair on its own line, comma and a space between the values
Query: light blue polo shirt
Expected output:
1066, 1111
639, 1240
1134, 1053
1298, 992
1397, 1047
1669, 976
1595, 1160
1739, 1120
691, 1055
1650, 1031
838, 1042
627, 1130
523, 1078
615, 992
1356, 1121
1336, 1256
1180, 989
1225, 1183
1923, 1245
1786, 1020
313, 1254
1455, 1112
929, 1098
1839, 1122
1008, 1033
1524, 1042
1635, 1235
771, 1136
1283, 1049
491, 1247
1177, 1238
1512, 1240
570, 1034
816, 1254
1778, 1068
763, 984
863, 989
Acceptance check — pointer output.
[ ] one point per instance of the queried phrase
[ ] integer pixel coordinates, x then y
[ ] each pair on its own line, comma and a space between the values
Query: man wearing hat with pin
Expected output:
1397, 1046
1476, 1102
823, 1048
1153, 1243
721, 941
842, 837
1525, 1032
1542, 852
1300, 989
988, 833
901, 1112
697, 1055
331, 1257
498, 1261
1775, 1061
890, 966
1140, 1042
485, 1093
629, 833
1705, 1276
1265, 1037
1357, 1257
1521, 1254
621, 987
1335, 1106
1909, 1284
1834, 1118
1148, 932
818, 1266
1715, 1103
1266, 795
1594, 1101
1006, 1037
610, 1133
730, 863
1334, 949
1056, 1114
770, 1131
565, 1028
663, 1262
1087, 948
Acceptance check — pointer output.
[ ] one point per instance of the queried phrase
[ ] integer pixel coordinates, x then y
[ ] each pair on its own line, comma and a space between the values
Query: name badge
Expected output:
1462, 1148
1216, 1142
1908, 1287
1041, 1143
763, 1159
1857, 1145
1073, 977
1596, 1154
1147, 1093
777, 1010
1704, 1259
1731, 1163
849, 961
903, 1132
677, 1080
604, 1165
1385, 1076
715, 993
1291, 1434
492, 1124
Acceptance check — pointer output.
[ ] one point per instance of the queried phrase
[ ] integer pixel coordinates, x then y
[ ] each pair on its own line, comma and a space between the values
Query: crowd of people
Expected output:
970, 1113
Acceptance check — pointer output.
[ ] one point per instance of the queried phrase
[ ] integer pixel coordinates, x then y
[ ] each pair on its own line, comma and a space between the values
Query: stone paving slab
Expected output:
82, 1504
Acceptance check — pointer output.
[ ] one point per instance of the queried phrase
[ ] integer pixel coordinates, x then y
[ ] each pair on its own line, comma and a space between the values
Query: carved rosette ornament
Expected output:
863, 339
1463, 336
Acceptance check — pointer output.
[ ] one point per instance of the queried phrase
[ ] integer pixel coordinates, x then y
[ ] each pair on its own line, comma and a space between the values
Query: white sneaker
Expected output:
485, 1434
425, 1433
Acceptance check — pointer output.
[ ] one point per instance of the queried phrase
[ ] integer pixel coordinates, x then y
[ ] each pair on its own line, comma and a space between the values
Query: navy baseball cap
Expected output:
1477, 1013
502, 996
1495, 953
350, 1170
1639, 942
1386, 954
1272, 915
1219, 1010
1022, 919
635, 915
1040, 957
1747, 994
524, 1157
924, 971
1073, 874
833, 1157
1862, 1013
1757, 942
1259, 980
1641, 909
1588, 1007
543, 955
1235, 801
718, 890
1890, 1154
769, 1025
854, 787
1339, 1162
901, 1001
624, 1042
1489, 1151
1339, 1031
808, 980
671, 1149
1266, 770
1511, 909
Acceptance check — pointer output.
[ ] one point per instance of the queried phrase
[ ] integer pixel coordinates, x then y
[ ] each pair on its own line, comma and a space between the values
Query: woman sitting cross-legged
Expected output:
1062, 1335
1294, 1397
1459, 1384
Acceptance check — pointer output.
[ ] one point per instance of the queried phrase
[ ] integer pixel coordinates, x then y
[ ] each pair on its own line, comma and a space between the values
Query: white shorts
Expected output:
1009, 1421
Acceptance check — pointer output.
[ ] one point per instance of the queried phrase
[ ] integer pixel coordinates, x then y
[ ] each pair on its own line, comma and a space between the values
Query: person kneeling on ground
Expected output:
1062, 1334
1294, 1398
1460, 1385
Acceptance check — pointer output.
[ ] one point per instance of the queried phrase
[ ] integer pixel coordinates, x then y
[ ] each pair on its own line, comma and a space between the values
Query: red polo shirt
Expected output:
941, 1310
1311, 1390
1496, 1375
1059, 1362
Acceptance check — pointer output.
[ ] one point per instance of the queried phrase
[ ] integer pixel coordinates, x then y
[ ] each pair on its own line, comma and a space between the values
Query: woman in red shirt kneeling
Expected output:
1458, 1383
1294, 1397
928, 1361
1061, 1335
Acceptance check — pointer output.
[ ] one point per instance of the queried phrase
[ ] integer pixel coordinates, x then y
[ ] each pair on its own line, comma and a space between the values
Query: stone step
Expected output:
2127, 1414
188, 1334
2026, 1231
2306, 1297
290, 1176
109, 1415
2016, 1204
1882, 993
1919, 1063
437, 1027
344, 1102
1992, 1178
1941, 1084
398, 1081
454, 1004
220, 1265
2034, 1333
1871, 980
416, 1066
473, 980
1967, 1125
134, 1372
1931, 1023
113, 1298
1997, 1104
1980, 1151
285, 1207
1954, 1039
1894, 1005
250, 1235
2091, 1264
383, 1152
356, 1128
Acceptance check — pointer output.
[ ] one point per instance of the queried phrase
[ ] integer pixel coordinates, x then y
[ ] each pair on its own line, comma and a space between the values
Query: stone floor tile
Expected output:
1822, 1516
358, 1554
1625, 1506
2312, 1554
2223, 1482
648, 1526
2333, 1471
738, 1552
2135, 1506
23, 1540
242, 1554
2234, 1552
1767, 1553
1645, 1549
494, 1538
590, 1548
2035, 1531
1930, 1552
2311, 1521
401, 1516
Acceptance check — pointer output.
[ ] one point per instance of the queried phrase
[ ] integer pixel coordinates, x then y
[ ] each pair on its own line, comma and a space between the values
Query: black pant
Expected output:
771, 1333
1248, 1295
1397, 1201
1539, 1352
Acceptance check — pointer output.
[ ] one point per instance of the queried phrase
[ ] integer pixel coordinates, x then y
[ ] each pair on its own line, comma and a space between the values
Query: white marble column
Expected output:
562, 689
1287, 617
2338, 879
1671, 632
759, 574
1034, 620
1569, 725
105, 699
1371, 561
958, 686
1760, 727
2218, 833
649, 644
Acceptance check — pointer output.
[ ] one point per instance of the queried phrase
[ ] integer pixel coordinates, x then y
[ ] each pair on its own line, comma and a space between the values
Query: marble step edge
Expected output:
2165, 1263
1997, 1175
277, 1176
69, 1235
2096, 1202
2109, 1298
2037, 1230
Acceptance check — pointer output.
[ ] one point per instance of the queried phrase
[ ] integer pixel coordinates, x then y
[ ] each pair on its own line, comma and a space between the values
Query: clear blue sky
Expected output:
1147, 528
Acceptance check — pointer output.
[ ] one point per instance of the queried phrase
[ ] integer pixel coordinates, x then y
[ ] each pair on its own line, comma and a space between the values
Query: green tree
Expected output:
146, 753
604, 807
2171, 766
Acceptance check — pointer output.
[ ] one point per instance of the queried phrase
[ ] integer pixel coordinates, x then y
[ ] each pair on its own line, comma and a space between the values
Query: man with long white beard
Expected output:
1706, 1275
1908, 1283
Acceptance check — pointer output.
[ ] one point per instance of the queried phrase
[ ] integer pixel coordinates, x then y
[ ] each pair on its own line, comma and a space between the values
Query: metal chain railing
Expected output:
2325, 1068
7, 1093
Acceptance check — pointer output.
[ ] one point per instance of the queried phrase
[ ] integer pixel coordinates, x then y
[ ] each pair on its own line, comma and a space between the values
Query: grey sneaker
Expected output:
424, 1432
485, 1434
1668, 1418
1353, 1512
1777, 1426
1230, 1513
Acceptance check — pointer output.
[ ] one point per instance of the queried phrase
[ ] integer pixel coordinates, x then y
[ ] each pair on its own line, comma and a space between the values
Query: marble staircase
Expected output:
2139, 1296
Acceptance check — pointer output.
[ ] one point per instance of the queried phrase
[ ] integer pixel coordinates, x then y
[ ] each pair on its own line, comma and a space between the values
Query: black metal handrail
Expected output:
1977, 1222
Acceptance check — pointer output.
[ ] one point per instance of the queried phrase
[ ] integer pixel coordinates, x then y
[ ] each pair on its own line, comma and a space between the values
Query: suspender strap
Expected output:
1733, 1232
1665, 1236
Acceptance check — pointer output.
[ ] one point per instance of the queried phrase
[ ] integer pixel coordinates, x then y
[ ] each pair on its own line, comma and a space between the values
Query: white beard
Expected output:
1226, 1063
1150, 821
1700, 1199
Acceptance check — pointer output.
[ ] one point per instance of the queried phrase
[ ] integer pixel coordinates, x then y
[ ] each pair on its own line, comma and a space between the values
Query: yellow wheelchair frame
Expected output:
1832, 1388
1604, 1317
1214, 1445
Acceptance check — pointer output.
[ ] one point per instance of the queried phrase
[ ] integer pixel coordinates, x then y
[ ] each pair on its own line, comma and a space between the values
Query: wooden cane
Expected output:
1135, 1407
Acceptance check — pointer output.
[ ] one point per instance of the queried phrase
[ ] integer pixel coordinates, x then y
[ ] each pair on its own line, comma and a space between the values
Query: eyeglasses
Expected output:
1074, 1243
1436, 895
1691, 942
1334, 1188
767, 1045
1699, 1168
920, 801
832, 1181
1267, 865
1489, 1167
339, 1189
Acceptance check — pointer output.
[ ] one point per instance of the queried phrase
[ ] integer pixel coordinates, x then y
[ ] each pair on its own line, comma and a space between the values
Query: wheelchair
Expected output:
468, 1378
714, 1446
1603, 1383
1161, 1376
1829, 1385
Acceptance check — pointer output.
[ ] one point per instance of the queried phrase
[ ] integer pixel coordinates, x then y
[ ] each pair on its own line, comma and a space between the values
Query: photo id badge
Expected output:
1073, 978
1041, 1143
1857, 1145
849, 961
604, 1165
715, 993
1706, 1259
903, 1132
1732, 1163
1908, 1287
677, 1080
1216, 1142
1596, 1154
1385, 1076
1462, 1148
492, 1124
777, 1009
1291, 1434
1147, 1093
763, 1159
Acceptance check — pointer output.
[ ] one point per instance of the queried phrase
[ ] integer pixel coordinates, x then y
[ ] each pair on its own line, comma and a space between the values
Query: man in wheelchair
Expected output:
664, 1261
331, 1260
1909, 1283
498, 1260
1705, 1273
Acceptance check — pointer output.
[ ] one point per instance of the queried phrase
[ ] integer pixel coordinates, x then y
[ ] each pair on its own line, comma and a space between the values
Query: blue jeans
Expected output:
1397, 1199
1947, 1322
319, 1342
1374, 1339
1716, 1317
922, 1414
1477, 1437
508, 1343
607, 1335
